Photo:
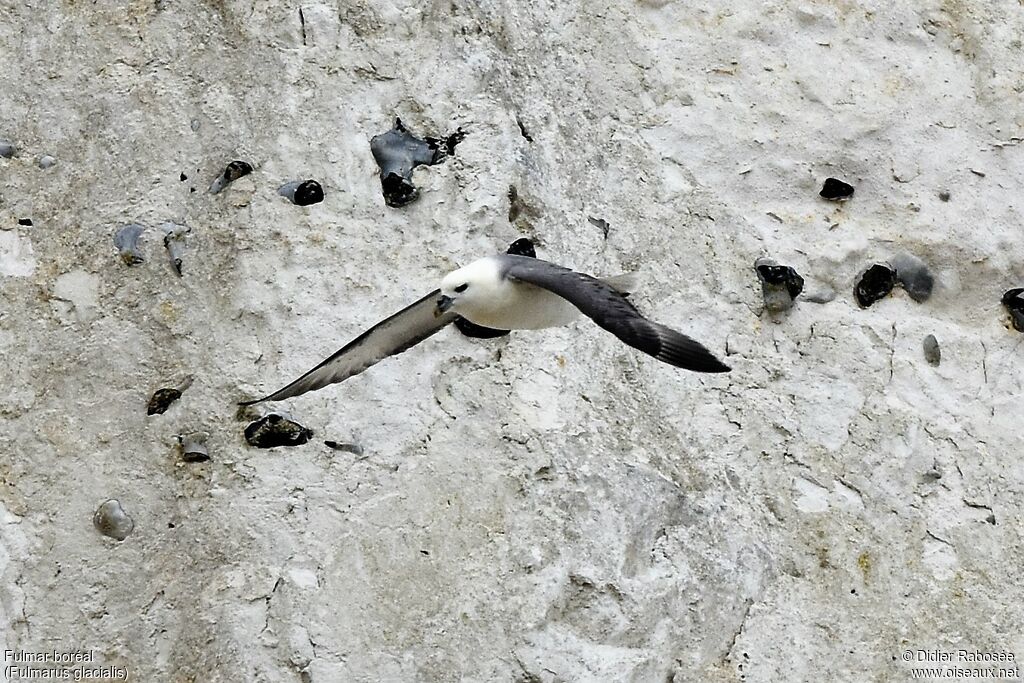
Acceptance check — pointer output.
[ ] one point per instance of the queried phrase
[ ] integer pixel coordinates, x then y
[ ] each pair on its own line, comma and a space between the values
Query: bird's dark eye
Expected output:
462, 288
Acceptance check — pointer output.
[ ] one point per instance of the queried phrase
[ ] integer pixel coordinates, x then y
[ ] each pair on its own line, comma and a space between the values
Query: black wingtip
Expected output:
253, 402
713, 365
683, 352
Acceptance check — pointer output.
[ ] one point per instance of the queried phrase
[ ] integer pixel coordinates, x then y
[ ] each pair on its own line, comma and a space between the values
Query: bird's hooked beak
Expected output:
443, 304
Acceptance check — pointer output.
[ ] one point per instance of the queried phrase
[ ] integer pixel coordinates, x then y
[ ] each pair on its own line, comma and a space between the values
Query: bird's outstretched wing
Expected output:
401, 331
611, 310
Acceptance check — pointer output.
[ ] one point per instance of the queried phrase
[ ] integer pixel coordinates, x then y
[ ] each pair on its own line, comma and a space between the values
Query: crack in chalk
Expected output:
268, 597
940, 540
444, 410
739, 630
149, 605
851, 487
999, 144
984, 361
991, 519
524, 132
892, 351
302, 22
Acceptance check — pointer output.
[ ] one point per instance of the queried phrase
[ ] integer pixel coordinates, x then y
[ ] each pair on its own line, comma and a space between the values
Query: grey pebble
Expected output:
932, 352
7, 149
397, 152
47, 161
193, 447
127, 242
111, 520
913, 274
352, 448
174, 241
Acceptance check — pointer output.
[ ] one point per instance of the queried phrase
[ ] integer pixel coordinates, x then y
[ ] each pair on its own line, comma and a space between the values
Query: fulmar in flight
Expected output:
508, 292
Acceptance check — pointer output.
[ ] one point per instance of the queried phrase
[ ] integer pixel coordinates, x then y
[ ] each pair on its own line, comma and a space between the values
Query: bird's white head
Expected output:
469, 286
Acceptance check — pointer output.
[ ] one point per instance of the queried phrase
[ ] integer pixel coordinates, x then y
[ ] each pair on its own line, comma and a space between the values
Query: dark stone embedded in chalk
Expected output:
110, 519
193, 447
913, 274
25, 221
276, 429
1013, 299
174, 242
876, 283
232, 172
161, 400
127, 242
7, 149
521, 247
397, 152
302, 192
836, 190
932, 353
780, 285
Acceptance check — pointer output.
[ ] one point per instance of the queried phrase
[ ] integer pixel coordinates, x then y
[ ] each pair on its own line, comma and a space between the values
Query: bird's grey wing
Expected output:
401, 331
607, 307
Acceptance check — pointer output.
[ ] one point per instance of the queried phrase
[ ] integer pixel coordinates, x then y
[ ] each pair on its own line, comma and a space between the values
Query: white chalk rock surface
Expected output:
545, 506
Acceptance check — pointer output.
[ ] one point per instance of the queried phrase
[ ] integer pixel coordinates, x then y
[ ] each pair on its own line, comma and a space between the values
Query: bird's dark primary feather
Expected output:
611, 310
392, 336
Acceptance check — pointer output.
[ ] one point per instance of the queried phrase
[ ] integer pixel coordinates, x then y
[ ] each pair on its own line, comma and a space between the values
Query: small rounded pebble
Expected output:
111, 520
303, 193
836, 190
932, 353
912, 273
876, 283
127, 242
7, 149
234, 170
47, 161
193, 448
944, 196
780, 285
276, 429
1013, 299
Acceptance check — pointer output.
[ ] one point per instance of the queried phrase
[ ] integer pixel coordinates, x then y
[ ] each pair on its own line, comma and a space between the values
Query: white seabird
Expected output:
508, 292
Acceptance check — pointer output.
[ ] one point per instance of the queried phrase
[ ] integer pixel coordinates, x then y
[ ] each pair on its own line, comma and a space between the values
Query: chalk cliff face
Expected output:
545, 506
